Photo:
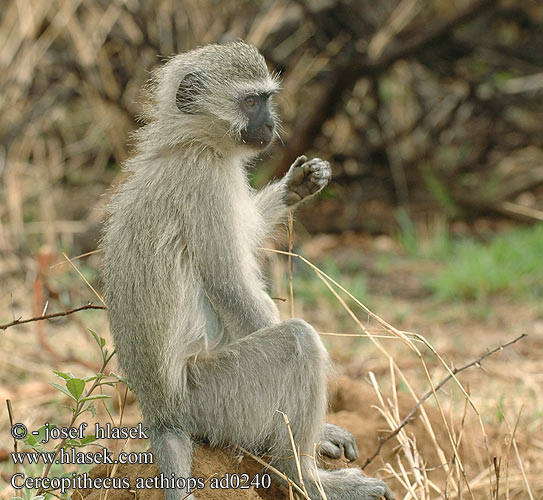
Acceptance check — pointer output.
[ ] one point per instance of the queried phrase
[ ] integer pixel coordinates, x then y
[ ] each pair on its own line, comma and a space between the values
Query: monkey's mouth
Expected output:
259, 139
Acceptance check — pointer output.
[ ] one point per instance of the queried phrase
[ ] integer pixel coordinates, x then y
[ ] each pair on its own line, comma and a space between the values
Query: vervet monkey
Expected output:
198, 337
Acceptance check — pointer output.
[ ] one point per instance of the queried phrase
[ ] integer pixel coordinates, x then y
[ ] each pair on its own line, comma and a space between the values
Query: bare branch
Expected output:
411, 414
49, 316
347, 73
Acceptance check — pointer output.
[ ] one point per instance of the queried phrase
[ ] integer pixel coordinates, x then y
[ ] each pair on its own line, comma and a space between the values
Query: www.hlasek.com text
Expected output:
73, 456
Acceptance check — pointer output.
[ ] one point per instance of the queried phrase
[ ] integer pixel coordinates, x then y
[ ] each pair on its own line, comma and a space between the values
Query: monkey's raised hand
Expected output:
306, 178
333, 439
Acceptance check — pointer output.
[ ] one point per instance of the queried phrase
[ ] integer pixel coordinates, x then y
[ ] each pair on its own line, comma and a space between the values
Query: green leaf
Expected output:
76, 386
62, 389
64, 375
117, 376
30, 440
41, 432
88, 439
101, 341
90, 379
97, 396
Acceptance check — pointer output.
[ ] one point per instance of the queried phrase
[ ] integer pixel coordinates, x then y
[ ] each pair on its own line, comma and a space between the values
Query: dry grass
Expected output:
452, 455
410, 469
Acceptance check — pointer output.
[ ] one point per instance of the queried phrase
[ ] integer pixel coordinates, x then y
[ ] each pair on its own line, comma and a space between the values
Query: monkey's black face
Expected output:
261, 125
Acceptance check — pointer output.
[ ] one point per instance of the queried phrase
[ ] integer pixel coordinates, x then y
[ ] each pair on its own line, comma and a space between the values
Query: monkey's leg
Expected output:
172, 450
278, 368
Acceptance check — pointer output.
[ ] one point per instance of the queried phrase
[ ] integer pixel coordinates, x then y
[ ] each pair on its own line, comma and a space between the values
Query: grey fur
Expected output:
334, 439
198, 338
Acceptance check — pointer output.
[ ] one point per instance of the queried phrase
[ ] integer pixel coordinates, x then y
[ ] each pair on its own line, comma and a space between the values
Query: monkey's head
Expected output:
219, 95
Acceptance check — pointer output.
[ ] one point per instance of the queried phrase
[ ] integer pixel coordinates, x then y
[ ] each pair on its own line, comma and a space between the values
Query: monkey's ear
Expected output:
188, 89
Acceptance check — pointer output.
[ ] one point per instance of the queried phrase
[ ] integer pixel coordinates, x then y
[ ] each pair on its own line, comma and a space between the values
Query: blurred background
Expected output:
431, 113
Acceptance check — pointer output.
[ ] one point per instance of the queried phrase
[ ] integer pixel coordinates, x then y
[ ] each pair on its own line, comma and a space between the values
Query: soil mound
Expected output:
350, 407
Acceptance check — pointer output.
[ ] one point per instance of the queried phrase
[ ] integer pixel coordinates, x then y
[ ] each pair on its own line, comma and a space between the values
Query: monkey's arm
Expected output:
228, 274
304, 179
270, 202
241, 305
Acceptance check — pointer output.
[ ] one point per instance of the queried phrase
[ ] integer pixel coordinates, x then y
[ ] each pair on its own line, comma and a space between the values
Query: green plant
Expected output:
81, 391
510, 263
407, 234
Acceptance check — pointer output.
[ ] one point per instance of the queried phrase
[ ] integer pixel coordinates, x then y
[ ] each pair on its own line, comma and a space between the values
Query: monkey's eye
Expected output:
250, 101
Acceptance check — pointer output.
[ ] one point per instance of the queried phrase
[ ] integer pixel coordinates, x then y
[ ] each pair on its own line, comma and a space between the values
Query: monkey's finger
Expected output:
308, 166
299, 161
322, 173
350, 450
316, 177
330, 449
378, 489
316, 165
382, 489
315, 185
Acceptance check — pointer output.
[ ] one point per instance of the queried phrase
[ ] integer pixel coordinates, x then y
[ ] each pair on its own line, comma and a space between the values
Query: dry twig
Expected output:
429, 393
49, 316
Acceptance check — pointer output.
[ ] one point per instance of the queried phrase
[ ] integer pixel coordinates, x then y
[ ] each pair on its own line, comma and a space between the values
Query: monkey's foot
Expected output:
306, 178
334, 439
352, 484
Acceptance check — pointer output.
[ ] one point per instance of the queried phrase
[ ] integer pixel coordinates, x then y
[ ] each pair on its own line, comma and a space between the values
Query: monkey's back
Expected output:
160, 316
150, 289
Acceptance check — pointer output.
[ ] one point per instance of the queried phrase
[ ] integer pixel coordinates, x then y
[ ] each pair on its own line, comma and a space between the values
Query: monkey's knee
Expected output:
311, 348
308, 371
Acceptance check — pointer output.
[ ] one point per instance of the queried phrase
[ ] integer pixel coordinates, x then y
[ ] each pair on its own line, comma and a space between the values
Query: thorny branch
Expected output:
49, 316
409, 417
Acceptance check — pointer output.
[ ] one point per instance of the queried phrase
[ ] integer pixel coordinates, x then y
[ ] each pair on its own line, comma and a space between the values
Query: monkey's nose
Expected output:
268, 131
